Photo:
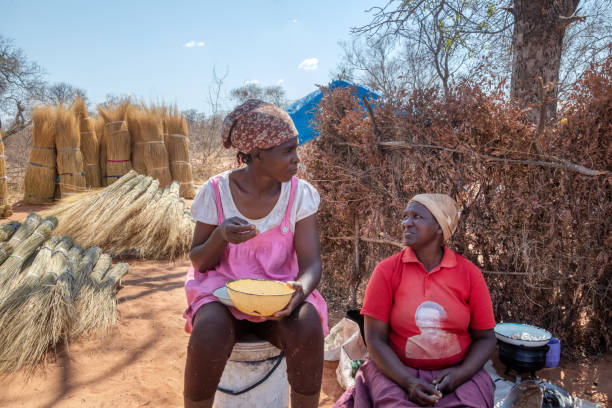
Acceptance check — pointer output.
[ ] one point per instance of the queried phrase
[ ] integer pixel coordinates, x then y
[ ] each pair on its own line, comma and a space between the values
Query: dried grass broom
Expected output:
39, 181
69, 156
107, 300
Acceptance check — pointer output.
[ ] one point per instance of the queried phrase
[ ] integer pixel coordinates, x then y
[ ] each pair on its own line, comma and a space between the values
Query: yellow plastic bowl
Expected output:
259, 297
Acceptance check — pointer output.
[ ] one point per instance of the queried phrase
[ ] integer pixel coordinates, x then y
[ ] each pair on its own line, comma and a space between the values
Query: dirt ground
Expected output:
140, 362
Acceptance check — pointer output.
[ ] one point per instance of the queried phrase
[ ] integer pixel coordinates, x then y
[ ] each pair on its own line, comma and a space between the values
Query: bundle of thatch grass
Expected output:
132, 216
99, 124
177, 142
117, 143
69, 156
138, 141
150, 153
11, 267
90, 146
8, 229
5, 208
62, 293
39, 182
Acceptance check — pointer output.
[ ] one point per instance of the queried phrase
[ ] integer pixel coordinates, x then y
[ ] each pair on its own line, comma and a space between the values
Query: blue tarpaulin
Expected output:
302, 110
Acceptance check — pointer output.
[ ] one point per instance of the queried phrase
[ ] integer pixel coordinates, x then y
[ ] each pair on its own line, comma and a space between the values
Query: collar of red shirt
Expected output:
449, 259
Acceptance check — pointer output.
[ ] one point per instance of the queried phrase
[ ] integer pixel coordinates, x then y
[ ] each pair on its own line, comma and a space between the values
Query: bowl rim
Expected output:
258, 279
549, 334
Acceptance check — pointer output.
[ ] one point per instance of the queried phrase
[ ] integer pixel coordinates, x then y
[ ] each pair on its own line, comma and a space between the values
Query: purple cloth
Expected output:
373, 389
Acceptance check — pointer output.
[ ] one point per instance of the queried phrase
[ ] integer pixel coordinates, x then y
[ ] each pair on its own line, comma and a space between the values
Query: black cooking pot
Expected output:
522, 359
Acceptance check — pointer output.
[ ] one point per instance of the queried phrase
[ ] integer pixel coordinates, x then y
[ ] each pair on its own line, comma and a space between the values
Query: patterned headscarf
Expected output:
257, 124
443, 208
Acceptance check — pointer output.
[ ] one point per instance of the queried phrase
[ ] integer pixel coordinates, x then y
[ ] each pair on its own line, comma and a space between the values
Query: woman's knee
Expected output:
303, 326
214, 331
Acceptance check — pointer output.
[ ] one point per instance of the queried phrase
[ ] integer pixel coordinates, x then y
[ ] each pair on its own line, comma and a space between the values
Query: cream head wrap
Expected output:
443, 208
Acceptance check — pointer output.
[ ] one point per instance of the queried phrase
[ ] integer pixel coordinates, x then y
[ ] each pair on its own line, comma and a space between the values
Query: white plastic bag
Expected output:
338, 335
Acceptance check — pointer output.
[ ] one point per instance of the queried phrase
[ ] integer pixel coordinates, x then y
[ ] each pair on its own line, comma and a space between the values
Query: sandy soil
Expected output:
140, 362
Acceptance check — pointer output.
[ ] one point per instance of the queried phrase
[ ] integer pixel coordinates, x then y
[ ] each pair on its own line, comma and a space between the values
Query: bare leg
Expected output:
301, 337
210, 345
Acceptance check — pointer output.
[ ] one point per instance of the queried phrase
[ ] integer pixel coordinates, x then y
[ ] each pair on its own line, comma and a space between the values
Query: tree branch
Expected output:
565, 21
560, 164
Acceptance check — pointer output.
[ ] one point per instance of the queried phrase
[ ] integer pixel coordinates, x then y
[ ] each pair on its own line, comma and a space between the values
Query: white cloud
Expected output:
295, 21
251, 82
192, 44
280, 82
309, 64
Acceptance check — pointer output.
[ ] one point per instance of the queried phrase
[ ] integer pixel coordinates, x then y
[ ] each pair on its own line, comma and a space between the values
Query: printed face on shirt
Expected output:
433, 342
419, 226
279, 162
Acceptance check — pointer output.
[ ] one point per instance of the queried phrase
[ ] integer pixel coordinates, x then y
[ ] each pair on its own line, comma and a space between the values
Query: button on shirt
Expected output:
429, 313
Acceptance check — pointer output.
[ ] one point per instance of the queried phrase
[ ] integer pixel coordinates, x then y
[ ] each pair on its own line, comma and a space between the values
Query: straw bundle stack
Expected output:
138, 141
28, 328
69, 156
90, 147
39, 182
150, 150
117, 143
131, 216
5, 209
99, 124
178, 152
62, 293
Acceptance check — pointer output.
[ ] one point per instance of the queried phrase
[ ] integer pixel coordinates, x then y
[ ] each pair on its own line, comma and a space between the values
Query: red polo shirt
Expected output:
429, 313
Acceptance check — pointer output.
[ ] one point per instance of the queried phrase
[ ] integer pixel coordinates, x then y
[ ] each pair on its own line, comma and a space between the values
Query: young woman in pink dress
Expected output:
258, 221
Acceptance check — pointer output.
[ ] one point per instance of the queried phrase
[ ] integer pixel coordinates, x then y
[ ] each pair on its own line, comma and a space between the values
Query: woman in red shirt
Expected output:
428, 320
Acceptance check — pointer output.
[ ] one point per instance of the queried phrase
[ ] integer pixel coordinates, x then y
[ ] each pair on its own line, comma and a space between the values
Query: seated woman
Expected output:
256, 222
428, 320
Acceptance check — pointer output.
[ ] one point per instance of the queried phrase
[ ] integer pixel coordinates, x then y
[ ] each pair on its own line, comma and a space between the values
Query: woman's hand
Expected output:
450, 379
422, 393
297, 298
236, 230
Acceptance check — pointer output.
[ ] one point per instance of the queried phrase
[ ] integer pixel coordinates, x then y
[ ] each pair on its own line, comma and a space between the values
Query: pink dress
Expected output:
269, 255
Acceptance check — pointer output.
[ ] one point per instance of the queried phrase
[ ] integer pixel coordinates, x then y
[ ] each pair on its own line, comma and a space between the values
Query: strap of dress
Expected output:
294, 184
215, 184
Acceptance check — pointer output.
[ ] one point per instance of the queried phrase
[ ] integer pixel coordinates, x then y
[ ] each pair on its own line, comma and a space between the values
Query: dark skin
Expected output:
255, 190
423, 234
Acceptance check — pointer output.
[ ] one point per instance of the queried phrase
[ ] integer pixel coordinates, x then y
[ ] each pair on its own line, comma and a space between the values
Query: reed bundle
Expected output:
117, 142
177, 143
150, 152
132, 216
39, 181
28, 328
87, 302
25, 230
90, 146
7, 230
69, 156
99, 124
11, 267
134, 115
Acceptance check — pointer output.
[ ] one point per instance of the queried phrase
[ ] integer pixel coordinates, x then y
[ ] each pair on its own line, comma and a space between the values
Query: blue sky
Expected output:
166, 50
